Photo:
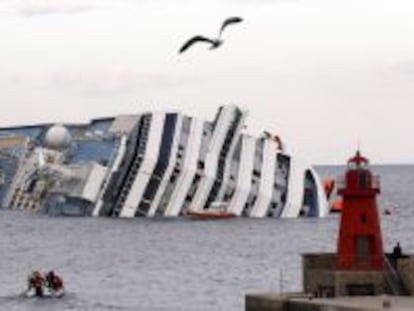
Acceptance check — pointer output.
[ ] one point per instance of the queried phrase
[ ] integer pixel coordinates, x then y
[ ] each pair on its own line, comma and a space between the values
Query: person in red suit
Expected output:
36, 281
54, 281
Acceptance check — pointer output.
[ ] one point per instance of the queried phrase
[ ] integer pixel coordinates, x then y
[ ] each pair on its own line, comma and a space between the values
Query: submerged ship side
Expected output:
155, 164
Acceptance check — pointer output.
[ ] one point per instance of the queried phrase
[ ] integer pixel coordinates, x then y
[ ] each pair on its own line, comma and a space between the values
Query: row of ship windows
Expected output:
200, 164
26, 205
272, 206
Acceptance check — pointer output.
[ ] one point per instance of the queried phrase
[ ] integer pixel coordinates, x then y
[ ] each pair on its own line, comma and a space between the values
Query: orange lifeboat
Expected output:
336, 206
216, 211
206, 214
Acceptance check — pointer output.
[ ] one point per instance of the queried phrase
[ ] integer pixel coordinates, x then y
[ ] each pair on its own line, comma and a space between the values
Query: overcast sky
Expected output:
323, 74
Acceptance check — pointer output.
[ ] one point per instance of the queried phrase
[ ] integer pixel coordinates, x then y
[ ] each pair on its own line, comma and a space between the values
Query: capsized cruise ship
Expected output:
155, 164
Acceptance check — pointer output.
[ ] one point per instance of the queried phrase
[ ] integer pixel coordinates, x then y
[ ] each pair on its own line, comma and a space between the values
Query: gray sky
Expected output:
323, 74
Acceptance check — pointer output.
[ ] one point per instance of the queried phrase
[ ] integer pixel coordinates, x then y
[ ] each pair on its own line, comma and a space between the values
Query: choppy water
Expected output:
159, 264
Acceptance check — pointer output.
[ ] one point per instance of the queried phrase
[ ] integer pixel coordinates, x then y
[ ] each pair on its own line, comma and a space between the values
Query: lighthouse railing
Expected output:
373, 183
393, 279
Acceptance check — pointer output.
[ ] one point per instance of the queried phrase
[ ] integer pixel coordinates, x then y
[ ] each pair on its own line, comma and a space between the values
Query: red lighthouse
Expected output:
360, 241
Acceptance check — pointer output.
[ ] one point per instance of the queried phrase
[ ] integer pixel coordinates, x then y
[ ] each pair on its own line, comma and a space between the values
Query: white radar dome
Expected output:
57, 137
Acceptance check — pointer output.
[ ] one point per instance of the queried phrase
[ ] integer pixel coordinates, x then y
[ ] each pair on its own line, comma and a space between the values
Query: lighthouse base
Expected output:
322, 278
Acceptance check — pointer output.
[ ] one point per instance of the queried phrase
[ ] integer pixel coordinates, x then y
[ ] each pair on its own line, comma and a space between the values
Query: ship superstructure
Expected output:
155, 164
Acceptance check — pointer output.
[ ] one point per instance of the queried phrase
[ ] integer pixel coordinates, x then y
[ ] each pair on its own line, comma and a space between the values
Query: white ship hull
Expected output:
159, 164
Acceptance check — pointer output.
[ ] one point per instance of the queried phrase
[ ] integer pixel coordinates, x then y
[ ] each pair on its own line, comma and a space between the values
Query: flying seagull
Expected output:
229, 21
215, 43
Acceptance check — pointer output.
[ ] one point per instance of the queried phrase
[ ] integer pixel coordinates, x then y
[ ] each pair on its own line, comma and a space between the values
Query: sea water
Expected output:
178, 264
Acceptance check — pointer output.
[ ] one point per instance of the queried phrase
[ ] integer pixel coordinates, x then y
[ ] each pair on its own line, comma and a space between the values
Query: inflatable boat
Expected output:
45, 293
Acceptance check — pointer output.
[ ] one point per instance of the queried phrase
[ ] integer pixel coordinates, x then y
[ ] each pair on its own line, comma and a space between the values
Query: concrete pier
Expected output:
327, 289
295, 302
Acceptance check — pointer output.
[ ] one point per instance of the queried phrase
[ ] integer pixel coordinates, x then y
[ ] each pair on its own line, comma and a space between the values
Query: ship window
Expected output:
245, 209
283, 197
253, 200
173, 178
